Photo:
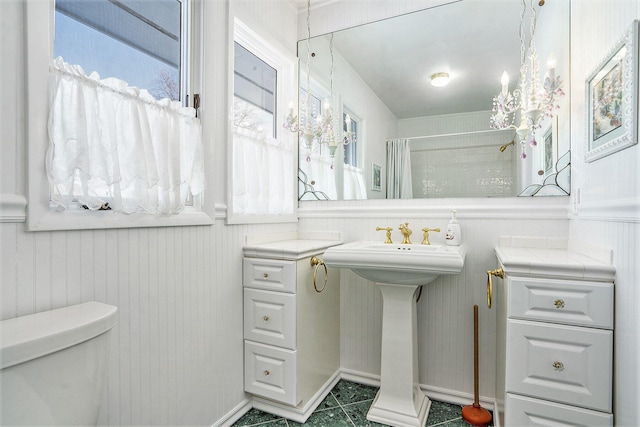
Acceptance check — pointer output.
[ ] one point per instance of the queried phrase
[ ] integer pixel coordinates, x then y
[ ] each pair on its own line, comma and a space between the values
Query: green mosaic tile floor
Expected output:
347, 405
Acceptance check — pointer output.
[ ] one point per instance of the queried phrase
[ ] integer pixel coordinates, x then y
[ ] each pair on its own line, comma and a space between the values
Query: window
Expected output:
351, 149
140, 42
113, 24
261, 153
254, 92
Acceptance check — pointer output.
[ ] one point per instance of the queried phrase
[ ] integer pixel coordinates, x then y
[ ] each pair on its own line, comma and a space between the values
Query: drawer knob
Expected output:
265, 275
558, 366
265, 318
266, 373
559, 303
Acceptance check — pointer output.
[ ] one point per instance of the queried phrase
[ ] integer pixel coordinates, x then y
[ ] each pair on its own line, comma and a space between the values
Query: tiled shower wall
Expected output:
468, 167
465, 163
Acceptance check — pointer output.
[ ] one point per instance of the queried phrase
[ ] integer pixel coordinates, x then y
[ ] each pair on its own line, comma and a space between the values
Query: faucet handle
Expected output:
425, 234
388, 230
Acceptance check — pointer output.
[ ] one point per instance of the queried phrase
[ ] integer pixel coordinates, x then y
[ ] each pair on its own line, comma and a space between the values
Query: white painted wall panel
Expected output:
609, 189
445, 312
176, 353
595, 27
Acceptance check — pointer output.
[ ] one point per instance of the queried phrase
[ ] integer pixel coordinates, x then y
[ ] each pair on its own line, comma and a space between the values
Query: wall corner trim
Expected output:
13, 208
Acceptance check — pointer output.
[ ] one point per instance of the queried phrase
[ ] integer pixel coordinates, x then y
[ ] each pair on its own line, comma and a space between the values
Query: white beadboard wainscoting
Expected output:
445, 311
624, 239
606, 194
176, 352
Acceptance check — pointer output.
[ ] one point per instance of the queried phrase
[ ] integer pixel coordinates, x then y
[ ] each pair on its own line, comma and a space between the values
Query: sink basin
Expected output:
398, 271
395, 263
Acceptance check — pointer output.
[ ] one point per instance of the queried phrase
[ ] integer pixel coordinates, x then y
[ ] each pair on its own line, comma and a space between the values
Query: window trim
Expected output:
275, 55
354, 118
40, 217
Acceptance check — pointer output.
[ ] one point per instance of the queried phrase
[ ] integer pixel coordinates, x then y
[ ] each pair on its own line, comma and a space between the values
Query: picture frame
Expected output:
612, 99
376, 177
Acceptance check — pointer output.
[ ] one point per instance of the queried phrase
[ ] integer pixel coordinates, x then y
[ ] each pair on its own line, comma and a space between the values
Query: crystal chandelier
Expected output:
535, 99
318, 128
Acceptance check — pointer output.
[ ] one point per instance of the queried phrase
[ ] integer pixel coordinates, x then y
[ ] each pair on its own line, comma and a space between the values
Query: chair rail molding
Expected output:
13, 208
485, 208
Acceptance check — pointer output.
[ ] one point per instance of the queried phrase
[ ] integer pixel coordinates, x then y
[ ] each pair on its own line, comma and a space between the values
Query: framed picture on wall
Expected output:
375, 177
612, 99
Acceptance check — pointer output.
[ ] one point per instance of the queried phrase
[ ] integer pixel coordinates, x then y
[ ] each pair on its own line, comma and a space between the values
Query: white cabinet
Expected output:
291, 333
554, 354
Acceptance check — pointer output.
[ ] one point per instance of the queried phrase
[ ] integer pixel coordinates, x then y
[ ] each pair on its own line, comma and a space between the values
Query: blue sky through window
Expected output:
82, 45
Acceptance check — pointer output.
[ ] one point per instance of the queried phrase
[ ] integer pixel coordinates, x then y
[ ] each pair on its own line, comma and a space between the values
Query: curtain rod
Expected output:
456, 134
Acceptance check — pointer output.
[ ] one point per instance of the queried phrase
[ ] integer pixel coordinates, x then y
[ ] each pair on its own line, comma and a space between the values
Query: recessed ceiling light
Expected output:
440, 79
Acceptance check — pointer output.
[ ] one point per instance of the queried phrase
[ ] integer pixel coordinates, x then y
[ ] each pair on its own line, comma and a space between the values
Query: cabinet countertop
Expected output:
293, 249
554, 263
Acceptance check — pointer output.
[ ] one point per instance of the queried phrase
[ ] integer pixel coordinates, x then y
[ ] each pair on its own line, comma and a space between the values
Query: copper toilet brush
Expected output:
475, 414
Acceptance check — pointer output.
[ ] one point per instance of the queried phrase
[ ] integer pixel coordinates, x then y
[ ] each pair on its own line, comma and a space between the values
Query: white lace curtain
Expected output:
319, 169
113, 143
262, 174
399, 169
354, 187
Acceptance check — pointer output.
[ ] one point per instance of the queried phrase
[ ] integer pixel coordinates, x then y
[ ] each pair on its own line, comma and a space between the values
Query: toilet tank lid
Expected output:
28, 337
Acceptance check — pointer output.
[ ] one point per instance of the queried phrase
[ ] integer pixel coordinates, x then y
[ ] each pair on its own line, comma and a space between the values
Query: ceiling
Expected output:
473, 40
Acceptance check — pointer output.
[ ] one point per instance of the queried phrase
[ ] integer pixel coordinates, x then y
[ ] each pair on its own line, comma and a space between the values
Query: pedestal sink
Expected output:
398, 270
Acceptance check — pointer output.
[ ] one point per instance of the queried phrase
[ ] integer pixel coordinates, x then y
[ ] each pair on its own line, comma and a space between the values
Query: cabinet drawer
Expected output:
525, 411
270, 317
568, 364
270, 372
562, 301
274, 275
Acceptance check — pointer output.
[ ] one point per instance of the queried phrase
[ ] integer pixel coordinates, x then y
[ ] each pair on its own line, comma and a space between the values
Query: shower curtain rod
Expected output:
455, 134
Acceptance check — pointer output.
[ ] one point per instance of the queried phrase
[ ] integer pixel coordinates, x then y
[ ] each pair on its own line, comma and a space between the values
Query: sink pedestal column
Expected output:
400, 402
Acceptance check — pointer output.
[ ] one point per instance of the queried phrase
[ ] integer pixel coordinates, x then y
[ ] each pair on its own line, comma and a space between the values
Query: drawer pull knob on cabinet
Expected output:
266, 373
265, 275
265, 318
559, 303
558, 366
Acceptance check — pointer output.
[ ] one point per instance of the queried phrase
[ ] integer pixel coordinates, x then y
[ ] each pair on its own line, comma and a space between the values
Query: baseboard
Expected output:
297, 413
436, 393
235, 414
300, 414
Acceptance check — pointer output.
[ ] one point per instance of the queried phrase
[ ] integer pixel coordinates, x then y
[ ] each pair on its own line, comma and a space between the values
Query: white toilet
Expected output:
54, 364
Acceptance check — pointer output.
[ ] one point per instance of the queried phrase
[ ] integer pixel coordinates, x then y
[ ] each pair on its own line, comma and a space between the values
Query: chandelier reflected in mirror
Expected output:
318, 127
535, 98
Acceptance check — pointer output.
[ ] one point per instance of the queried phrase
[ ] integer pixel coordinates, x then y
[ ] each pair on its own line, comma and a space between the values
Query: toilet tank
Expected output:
54, 364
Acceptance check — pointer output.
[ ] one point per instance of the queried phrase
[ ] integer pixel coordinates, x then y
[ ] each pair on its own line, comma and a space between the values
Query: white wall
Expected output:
177, 350
445, 312
176, 355
606, 194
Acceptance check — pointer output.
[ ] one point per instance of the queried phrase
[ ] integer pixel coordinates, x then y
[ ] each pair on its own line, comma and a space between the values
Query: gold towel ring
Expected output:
497, 272
317, 262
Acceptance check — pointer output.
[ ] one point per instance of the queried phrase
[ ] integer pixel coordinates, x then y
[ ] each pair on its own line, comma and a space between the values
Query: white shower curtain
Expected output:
399, 169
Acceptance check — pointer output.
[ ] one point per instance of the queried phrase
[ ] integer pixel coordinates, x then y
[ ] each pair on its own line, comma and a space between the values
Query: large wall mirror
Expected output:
376, 79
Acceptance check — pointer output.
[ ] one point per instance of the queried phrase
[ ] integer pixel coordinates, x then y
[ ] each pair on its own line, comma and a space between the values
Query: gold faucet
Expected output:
406, 233
388, 230
425, 234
